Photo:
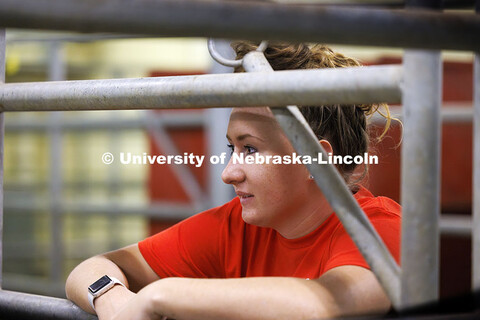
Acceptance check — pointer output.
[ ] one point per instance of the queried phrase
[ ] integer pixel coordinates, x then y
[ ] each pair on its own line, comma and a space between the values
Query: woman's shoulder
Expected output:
377, 205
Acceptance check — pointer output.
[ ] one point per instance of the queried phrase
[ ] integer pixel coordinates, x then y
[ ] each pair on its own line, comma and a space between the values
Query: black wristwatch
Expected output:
101, 286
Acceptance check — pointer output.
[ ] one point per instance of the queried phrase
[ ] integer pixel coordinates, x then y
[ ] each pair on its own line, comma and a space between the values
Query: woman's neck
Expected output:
305, 219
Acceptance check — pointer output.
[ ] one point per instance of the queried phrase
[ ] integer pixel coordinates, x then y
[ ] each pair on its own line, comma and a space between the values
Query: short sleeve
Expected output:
343, 251
191, 248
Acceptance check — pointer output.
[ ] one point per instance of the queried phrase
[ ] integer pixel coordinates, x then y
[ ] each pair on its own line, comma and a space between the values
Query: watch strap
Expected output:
91, 297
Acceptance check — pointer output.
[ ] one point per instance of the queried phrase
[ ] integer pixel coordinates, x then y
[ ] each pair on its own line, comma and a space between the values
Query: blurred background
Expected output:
63, 204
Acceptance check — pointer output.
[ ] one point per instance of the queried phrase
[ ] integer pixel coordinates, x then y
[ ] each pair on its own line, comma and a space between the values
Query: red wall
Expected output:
456, 161
162, 183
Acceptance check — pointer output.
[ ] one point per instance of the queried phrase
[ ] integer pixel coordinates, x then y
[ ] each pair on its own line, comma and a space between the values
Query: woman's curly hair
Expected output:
344, 126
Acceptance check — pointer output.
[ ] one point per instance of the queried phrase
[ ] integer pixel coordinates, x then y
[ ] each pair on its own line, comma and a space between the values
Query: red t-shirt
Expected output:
217, 243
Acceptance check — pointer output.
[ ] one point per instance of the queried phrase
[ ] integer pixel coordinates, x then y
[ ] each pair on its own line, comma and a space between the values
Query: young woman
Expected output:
277, 251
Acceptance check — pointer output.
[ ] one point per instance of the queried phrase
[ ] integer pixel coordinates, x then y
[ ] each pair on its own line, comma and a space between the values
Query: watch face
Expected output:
99, 284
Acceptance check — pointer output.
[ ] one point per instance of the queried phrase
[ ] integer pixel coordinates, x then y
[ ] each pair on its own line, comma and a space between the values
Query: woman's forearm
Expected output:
87, 273
126, 264
246, 298
342, 291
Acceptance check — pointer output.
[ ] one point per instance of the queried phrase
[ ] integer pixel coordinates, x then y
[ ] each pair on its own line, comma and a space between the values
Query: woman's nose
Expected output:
233, 173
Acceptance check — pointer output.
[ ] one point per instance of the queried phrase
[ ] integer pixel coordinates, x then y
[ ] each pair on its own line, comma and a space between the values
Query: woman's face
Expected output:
270, 194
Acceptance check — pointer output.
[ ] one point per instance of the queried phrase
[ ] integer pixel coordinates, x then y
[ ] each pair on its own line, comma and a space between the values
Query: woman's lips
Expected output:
245, 198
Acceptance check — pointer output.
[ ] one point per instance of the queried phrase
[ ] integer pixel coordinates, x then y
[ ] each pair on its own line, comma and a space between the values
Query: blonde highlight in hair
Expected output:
344, 126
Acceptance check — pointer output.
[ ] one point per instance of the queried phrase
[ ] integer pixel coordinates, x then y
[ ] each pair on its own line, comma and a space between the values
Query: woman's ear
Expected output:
326, 145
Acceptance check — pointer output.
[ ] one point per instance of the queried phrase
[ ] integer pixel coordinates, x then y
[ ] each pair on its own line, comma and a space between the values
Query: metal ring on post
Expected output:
228, 62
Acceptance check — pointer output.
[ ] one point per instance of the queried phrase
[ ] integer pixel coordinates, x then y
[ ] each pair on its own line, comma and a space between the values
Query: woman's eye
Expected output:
250, 149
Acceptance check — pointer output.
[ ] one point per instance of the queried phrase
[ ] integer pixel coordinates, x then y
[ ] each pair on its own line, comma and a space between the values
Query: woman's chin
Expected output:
252, 217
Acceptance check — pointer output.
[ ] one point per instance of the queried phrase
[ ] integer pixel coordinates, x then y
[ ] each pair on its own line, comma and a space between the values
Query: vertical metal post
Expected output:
420, 254
476, 172
114, 183
2, 136
216, 126
56, 72
421, 178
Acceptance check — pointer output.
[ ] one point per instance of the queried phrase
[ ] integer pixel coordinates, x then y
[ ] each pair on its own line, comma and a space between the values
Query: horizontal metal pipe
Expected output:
247, 20
40, 36
449, 114
28, 250
456, 224
450, 223
303, 87
89, 123
16, 305
34, 284
156, 210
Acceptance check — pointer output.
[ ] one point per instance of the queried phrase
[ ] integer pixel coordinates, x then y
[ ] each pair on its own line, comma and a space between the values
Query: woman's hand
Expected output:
112, 301
141, 306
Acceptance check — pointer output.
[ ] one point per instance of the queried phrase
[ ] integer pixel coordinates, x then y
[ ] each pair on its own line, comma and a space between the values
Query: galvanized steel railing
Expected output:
417, 282
17, 305
343, 85
255, 20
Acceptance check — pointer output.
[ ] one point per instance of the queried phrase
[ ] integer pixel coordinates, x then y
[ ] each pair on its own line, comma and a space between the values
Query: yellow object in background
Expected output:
12, 64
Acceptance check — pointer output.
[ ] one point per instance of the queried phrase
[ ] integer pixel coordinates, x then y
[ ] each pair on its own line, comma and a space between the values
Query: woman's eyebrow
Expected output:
244, 136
